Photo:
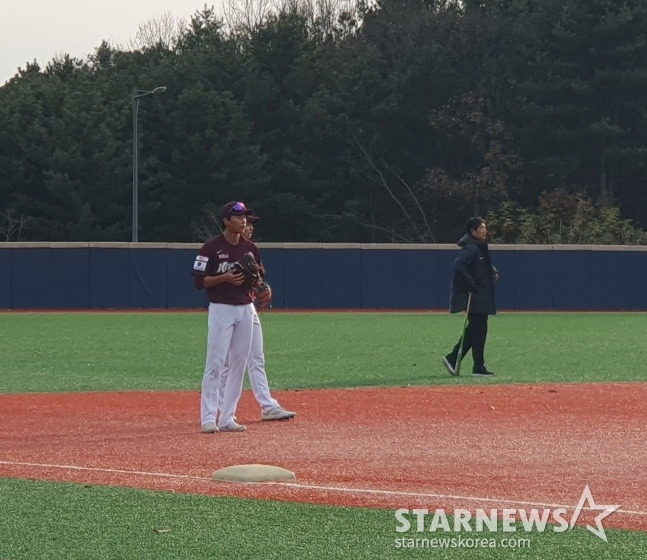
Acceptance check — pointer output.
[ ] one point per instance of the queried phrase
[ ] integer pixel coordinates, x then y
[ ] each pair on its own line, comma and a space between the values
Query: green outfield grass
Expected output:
165, 351
46, 521
97, 351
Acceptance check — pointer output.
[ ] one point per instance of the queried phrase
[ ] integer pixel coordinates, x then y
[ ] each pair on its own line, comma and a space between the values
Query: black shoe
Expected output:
449, 362
482, 372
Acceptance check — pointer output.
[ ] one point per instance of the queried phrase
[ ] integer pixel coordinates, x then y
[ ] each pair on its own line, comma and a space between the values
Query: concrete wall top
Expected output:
324, 246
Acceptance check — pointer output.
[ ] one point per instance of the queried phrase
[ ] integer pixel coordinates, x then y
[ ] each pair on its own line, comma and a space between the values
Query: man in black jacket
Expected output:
473, 272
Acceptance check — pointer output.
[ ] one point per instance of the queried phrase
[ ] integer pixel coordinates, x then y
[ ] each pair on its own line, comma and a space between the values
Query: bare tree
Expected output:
208, 224
322, 16
411, 207
11, 225
242, 17
162, 31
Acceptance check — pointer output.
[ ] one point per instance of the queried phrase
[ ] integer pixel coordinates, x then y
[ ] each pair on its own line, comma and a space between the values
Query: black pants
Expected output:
475, 336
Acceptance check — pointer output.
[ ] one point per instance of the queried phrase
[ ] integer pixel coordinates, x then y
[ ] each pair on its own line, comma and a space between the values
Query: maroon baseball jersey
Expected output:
217, 256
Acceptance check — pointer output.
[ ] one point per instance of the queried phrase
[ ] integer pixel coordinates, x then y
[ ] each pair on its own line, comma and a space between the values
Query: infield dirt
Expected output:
478, 446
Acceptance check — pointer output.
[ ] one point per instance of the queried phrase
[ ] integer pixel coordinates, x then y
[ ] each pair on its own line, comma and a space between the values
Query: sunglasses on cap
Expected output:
234, 209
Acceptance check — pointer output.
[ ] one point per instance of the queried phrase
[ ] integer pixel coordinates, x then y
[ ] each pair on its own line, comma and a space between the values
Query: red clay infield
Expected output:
479, 446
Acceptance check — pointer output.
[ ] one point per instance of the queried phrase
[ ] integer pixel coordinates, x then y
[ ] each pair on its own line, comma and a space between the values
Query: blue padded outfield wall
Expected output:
320, 276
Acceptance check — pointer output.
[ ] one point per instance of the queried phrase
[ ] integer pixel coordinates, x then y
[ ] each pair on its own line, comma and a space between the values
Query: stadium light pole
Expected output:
135, 96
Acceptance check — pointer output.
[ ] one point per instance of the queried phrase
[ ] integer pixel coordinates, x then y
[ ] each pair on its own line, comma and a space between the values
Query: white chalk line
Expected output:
320, 488
445, 497
100, 469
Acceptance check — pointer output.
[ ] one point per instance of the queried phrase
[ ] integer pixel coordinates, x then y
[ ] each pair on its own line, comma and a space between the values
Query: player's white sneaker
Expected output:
209, 428
277, 413
233, 427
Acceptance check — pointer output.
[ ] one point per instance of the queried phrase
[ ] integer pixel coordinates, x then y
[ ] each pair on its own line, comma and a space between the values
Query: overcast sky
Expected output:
44, 29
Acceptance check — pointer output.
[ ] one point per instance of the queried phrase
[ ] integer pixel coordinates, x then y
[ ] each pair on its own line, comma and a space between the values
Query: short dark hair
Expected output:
473, 224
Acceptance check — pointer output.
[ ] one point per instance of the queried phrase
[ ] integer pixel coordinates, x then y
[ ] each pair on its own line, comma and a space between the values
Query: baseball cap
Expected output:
253, 218
234, 208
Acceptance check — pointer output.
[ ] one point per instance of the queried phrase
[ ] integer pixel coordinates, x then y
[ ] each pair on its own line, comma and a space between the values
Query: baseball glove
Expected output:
250, 269
262, 295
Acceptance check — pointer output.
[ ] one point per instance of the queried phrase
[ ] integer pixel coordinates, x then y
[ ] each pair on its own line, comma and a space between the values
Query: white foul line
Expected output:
440, 496
98, 469
316, 487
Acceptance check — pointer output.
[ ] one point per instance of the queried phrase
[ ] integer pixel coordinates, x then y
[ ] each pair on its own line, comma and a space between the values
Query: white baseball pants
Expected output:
229, 340
256, 370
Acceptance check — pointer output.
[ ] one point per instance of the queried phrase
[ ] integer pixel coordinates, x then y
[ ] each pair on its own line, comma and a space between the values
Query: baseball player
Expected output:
270, 408
230, 320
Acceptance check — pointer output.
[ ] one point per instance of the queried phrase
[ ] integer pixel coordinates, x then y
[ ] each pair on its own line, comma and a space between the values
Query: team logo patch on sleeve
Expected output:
200, 263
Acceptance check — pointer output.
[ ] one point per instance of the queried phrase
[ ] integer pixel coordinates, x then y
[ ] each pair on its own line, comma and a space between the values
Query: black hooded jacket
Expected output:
473, 272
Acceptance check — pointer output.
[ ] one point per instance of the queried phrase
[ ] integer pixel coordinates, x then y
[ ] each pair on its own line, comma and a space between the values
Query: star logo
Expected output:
598, 530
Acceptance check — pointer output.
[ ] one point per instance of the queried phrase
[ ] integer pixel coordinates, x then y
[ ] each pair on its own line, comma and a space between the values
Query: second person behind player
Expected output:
270, 407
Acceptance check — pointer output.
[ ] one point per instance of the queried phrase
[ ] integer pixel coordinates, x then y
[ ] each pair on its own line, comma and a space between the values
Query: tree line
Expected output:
389, 121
